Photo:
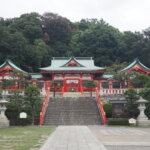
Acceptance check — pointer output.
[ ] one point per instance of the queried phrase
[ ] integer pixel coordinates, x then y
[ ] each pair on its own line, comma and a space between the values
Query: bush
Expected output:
118, 122
108, 109
24, 121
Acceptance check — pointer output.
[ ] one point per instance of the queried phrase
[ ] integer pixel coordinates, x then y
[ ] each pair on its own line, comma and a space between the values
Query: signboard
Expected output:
23, 115
132, 121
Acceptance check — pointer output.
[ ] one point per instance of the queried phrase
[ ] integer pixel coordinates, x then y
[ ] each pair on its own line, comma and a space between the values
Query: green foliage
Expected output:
32, 99
145, 93
130, 77
15, 106
91, 85
17, 99
140, 81
58, 28
118, 122
24, 121
114, 68
32, 39
30, 103
12, 113
108, 109
131, 106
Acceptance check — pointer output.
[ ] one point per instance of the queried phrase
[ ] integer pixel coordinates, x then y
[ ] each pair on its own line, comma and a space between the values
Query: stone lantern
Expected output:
142, 119
4, 122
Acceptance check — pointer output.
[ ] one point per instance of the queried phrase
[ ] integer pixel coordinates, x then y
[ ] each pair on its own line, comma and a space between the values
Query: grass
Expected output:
24, 138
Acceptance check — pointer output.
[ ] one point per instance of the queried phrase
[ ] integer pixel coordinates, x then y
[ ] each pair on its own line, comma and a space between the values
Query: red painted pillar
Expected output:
110, 84
81, 87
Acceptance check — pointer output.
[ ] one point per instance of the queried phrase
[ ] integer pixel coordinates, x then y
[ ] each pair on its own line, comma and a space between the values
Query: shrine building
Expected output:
71, 75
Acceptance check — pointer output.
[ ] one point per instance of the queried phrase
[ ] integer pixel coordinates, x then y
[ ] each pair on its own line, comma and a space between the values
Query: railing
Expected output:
44, 107
62, 91
112, 91
101, 109
116, 91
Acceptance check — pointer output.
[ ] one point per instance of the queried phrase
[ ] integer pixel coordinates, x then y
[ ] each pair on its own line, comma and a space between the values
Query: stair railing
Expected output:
44, 106
100, 107
62, 91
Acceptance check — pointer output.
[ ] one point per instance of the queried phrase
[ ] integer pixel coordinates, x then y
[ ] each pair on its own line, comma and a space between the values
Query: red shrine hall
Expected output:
71, 74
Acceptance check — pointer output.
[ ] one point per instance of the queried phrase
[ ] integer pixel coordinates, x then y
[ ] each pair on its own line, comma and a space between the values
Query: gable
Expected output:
72, 63
9, 66
136, 65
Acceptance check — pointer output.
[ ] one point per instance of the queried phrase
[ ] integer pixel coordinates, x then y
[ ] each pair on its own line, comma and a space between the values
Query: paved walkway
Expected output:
72, 138
123, 138
98, 138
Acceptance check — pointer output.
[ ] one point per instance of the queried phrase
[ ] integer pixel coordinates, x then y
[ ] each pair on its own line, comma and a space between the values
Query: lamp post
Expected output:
4, 122
142, 119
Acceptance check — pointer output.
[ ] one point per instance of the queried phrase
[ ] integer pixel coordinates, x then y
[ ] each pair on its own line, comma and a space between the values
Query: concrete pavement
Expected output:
123, 138
72, 138
98, 138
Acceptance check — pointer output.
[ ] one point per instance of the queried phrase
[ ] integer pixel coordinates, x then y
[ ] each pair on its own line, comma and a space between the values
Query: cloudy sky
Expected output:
126, 15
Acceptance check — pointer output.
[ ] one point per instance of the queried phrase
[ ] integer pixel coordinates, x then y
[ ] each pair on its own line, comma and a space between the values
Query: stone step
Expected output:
72, 111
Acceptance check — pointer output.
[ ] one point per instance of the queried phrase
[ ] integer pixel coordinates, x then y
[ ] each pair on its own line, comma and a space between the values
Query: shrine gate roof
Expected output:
136, 65
10, 64
72, 64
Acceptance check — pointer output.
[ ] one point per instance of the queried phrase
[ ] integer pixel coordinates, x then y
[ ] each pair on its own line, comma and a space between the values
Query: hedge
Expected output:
118, 122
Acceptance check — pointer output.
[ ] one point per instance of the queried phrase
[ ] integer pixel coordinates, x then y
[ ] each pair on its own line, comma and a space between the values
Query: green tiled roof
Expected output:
87, 64
135, 62
11, 64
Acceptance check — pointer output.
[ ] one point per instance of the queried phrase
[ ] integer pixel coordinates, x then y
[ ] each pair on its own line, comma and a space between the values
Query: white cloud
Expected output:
123, 14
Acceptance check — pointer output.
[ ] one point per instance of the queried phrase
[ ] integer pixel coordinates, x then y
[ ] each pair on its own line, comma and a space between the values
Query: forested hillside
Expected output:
32, 39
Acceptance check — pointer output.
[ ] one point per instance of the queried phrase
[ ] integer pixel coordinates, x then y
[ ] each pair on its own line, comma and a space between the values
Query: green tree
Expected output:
91, 85
15, 106
99, 40
19, 78
131, 106
58, 28
140, 81
32, 99
114, 68
29, 25
108, 109
17, 99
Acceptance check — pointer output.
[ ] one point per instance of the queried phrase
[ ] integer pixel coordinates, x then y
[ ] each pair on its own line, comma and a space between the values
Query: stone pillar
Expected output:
4, 122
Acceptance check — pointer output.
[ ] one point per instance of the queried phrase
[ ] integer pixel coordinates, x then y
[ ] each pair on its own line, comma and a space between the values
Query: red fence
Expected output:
100, 106
45, 103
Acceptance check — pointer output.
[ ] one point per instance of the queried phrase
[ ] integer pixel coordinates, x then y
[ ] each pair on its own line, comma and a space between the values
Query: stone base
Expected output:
4, 122
143, 123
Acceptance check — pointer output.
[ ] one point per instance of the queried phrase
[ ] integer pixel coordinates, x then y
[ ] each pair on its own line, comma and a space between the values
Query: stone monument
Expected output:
4, 122
142, 119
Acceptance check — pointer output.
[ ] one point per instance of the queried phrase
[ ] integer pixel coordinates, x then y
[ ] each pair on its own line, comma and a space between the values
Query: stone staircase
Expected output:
72, 111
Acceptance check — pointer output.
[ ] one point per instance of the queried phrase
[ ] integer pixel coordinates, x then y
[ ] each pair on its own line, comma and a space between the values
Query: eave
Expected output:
64, 72
136, 65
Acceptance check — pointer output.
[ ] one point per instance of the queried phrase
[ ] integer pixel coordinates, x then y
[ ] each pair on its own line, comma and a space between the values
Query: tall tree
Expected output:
32, 99
131, 106
59, 29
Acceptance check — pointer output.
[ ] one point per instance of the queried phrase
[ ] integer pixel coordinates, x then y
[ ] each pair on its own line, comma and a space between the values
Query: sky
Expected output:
126, 15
